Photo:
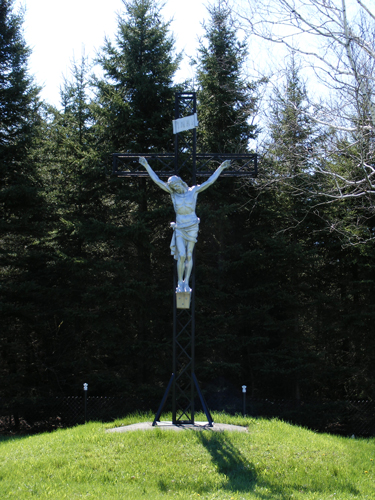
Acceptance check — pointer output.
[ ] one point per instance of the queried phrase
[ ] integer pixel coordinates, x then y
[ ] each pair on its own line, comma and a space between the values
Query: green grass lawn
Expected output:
273, 461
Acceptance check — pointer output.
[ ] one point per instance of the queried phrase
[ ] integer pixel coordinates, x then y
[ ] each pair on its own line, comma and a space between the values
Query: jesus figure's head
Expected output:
177, 184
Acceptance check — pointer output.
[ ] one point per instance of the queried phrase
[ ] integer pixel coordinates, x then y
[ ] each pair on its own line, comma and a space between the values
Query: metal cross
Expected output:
185, 162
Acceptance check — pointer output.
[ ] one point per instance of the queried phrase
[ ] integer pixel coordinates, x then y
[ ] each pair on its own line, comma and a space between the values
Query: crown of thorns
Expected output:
176, 180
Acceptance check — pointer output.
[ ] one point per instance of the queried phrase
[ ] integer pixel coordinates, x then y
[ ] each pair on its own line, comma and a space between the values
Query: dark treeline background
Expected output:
86, 276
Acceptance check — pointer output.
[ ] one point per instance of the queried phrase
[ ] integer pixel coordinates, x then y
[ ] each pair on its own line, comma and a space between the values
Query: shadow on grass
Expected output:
4, 439
241, 475
239, 472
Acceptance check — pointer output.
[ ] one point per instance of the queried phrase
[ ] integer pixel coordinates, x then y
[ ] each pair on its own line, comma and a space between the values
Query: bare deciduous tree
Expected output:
336, 39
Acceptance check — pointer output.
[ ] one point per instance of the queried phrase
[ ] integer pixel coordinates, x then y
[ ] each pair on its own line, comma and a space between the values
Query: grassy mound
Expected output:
273, 461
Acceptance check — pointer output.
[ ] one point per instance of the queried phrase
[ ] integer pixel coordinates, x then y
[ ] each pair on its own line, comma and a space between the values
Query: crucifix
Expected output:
185, 161
185, 229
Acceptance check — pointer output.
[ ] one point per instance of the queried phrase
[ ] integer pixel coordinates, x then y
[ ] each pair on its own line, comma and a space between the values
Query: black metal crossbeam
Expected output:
163, 164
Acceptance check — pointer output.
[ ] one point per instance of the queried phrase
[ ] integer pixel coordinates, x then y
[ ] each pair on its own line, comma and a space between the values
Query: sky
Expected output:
59, 32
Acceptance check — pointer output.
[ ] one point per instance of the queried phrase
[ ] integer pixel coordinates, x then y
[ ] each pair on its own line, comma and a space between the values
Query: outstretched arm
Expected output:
213, 177
154, 177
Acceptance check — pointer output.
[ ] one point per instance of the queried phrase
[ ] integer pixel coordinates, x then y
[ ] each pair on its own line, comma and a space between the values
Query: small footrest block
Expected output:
183, 300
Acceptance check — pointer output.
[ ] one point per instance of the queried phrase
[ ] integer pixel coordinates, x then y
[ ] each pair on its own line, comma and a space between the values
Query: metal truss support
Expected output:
183, 392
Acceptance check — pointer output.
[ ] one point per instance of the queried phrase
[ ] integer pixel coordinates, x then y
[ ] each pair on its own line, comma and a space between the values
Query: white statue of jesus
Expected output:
185, 229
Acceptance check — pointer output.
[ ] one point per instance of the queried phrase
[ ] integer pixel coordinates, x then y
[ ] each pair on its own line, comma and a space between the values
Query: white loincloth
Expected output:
188, 231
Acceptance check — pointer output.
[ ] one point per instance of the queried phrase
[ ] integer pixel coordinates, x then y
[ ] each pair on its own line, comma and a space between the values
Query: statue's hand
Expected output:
225, 164
143, 161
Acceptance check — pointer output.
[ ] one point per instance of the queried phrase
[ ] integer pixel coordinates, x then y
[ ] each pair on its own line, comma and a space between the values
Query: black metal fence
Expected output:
34, 415
345, 418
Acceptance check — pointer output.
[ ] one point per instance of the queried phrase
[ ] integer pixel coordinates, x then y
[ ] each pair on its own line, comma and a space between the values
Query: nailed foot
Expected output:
183, 287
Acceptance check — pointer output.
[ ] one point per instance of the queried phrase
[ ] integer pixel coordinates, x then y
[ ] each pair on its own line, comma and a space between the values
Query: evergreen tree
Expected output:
344, 322
77, 192
294, 136
299, 304
227, 102
293, 141
21, 208
18, 117
226, 105
134, 111
265, 264
135, 99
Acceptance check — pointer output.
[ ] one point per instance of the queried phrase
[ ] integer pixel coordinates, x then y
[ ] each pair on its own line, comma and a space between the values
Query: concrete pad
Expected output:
198, 426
